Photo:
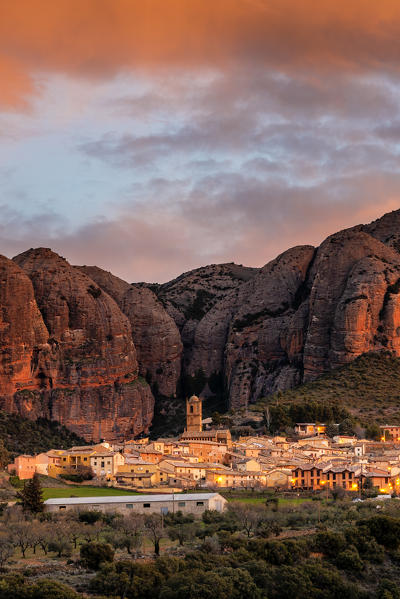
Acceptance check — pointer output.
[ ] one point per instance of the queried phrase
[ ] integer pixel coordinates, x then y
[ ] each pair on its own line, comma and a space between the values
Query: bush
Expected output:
349, 559
384, 529
94, 554
90, 516
16, 482
331, 543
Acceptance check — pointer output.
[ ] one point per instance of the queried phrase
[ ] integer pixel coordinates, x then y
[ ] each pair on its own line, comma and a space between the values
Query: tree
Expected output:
60, 539
21, 535
373, 432
131, 530
154, 526
182, 532
6, 549
249, 516
31, 496
95, 554
346, 427
4, 455
92, 531
43, 532
331, 429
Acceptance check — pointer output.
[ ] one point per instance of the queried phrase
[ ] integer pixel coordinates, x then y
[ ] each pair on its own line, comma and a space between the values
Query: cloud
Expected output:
99, 38
164, 135
228, 219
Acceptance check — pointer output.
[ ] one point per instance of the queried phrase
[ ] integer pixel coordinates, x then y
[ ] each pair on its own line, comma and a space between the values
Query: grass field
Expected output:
54, 493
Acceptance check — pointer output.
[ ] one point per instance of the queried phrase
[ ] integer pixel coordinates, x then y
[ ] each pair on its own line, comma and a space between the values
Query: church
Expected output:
194, 425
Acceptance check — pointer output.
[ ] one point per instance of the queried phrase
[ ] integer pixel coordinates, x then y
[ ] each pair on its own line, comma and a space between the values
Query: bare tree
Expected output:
92, 531
249, 516
21, 535
6, 549
131, 529
155, 531
44, 535
60, 539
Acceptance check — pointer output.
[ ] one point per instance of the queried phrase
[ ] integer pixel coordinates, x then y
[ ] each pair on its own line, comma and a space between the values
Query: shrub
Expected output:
349, 559
384, 529
94, 554
90, 516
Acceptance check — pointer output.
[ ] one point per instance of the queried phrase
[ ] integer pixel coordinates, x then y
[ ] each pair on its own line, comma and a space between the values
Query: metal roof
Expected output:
130, 498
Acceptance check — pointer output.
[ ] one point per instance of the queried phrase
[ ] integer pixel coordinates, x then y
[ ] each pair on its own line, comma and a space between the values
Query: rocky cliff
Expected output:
77, 343
304, 313
156, 336
78, 363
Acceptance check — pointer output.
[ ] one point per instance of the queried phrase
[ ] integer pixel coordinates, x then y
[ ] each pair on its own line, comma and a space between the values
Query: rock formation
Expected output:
155, 334
304, 313
77, 342
193, 294
84, 365
22, 330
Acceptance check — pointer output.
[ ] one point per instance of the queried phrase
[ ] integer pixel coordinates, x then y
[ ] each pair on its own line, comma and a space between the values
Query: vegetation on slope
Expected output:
21, 435
369, 387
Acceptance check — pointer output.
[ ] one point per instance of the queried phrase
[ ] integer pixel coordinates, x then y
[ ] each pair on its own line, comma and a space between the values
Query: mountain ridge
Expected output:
82, 346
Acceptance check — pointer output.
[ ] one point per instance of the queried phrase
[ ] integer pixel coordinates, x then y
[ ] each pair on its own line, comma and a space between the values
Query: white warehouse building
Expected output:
190, 503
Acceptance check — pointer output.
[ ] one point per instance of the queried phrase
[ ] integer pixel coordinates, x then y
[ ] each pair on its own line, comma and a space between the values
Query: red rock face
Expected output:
22, 330
351, 275
68, 339
84, 361
155, 334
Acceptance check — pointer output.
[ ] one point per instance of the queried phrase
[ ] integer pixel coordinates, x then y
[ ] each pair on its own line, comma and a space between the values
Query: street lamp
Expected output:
325, 484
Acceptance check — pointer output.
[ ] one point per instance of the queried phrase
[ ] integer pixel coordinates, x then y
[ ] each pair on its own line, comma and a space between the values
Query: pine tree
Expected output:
31, 496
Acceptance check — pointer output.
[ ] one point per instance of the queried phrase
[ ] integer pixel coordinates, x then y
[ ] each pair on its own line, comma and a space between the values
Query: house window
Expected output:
85, 459
129, 506
62, 507
199, 503
146, 505
102, 464
181, 504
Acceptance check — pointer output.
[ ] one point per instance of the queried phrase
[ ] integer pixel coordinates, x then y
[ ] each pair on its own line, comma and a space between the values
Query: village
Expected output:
207, 458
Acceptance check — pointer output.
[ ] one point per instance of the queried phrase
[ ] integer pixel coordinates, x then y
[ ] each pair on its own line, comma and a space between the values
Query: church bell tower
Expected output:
194, 414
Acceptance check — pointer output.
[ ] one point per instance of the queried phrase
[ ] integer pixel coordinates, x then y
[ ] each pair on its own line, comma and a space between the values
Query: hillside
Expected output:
369, 388
21, 435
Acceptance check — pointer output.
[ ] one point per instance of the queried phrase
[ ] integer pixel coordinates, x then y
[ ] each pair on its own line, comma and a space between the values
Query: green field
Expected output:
54, 493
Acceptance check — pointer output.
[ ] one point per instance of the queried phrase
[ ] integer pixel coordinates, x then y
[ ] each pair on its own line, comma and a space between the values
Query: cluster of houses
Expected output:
210, 459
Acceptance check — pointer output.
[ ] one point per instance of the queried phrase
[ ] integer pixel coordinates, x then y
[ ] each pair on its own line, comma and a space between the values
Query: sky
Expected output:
150, 137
